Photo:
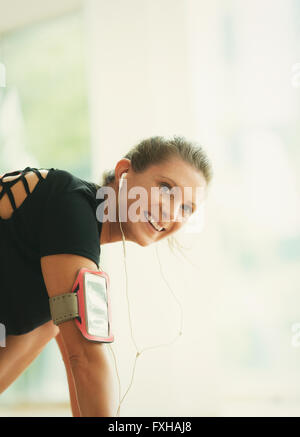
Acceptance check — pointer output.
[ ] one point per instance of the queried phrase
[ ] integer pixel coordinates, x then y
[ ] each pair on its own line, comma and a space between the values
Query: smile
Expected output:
153, 224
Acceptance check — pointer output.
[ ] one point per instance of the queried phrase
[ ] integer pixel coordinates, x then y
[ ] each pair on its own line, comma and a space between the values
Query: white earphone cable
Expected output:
147, 348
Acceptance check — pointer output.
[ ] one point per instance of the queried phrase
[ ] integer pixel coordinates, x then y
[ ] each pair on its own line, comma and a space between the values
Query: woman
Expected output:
49, 229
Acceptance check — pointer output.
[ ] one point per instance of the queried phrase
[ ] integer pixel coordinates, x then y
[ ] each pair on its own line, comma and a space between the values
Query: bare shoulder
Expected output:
18, 191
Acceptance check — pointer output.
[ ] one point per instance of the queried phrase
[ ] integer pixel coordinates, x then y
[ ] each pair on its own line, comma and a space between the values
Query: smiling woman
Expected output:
51, 230
158, 162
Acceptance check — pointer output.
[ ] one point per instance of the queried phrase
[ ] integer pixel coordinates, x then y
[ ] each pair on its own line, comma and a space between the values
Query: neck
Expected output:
110, 232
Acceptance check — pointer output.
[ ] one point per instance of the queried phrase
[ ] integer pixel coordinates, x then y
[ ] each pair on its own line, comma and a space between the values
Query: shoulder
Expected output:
64, 180
17, 189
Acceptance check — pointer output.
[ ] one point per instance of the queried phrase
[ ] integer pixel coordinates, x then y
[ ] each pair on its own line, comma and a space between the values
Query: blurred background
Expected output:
81, 82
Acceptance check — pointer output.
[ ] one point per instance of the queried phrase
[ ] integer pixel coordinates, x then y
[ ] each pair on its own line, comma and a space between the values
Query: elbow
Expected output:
78, 362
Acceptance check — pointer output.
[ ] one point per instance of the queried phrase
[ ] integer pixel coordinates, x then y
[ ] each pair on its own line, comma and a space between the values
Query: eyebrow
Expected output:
165, 177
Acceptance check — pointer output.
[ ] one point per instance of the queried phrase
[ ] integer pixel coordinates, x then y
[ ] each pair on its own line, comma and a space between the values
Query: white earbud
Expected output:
121, 180
120, 186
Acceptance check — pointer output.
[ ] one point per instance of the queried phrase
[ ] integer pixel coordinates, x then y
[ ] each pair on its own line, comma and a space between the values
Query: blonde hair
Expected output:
156, 150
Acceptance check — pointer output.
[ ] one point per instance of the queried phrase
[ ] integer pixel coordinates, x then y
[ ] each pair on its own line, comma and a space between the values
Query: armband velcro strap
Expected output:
63, 307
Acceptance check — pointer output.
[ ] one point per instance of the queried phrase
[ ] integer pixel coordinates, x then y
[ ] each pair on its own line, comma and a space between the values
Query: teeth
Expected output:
157, 227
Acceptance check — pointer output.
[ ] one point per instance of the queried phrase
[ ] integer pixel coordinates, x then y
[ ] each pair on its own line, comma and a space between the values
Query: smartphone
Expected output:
95, 314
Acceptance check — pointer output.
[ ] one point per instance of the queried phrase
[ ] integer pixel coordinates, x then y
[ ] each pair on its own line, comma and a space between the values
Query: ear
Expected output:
122, 166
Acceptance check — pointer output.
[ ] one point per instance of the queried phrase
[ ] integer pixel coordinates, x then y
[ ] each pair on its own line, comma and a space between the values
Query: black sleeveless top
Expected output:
59, 216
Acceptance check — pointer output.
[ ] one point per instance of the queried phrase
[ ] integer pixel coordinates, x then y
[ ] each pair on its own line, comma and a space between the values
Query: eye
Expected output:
188, 209
166, 187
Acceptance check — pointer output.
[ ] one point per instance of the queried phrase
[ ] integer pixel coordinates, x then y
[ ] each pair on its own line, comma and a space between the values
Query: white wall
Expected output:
16, 13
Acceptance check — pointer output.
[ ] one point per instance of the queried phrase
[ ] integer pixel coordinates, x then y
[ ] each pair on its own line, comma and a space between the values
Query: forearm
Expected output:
95, 389
73, 395
72, 390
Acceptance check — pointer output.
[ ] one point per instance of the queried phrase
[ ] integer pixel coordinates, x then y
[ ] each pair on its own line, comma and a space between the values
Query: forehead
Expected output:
183, 173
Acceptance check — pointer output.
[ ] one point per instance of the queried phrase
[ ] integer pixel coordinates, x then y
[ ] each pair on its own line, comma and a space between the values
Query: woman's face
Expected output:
166, 210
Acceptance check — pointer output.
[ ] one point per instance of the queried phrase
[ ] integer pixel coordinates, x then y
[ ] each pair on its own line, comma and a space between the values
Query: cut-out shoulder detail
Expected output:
16, 186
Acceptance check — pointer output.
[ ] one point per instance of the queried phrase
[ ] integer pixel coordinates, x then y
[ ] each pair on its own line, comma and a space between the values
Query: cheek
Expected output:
135, 209
176, 226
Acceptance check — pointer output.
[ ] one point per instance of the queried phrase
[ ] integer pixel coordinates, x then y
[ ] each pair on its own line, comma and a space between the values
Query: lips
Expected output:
153, 223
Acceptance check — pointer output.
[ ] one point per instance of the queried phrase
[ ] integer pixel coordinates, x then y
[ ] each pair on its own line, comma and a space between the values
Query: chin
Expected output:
144, 242
131, 234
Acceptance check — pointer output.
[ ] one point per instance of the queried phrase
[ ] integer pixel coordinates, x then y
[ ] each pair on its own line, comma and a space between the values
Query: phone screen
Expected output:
96, 305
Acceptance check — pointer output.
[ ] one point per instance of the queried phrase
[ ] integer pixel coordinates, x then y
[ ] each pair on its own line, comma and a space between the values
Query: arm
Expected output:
72, 390
89, 361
